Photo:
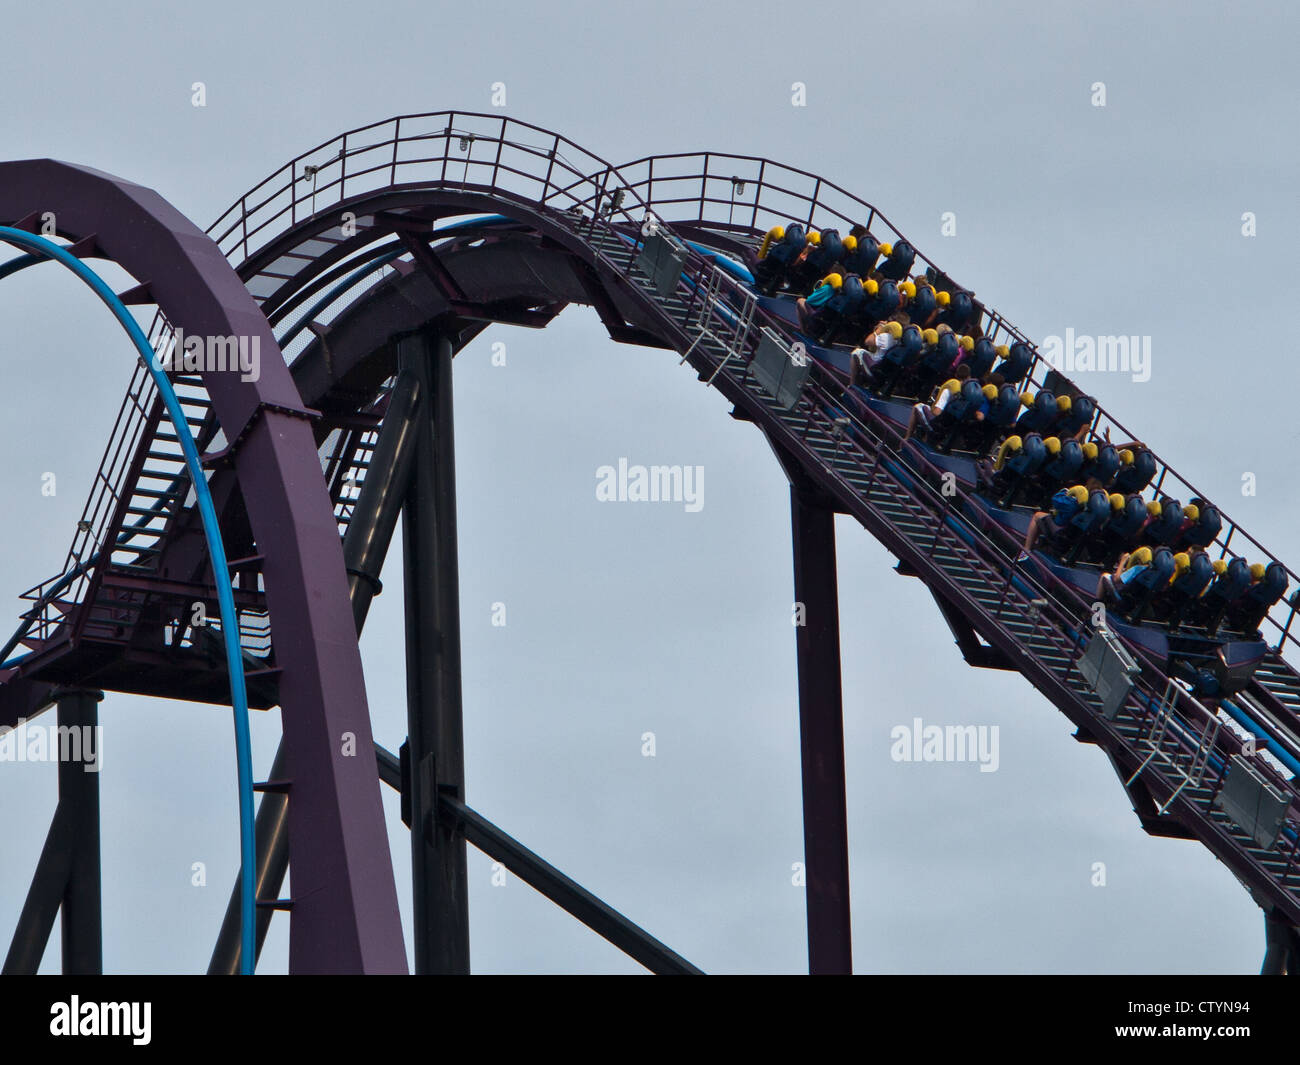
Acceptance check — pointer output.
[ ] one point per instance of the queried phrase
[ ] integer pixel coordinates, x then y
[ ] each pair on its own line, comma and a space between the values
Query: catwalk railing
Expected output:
454, 149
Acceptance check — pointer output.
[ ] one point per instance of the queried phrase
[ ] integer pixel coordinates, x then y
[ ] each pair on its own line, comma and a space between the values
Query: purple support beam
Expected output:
345, 916
821, 735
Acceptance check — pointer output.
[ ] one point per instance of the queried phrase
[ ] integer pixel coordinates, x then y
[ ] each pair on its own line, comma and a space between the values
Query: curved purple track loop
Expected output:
345, 914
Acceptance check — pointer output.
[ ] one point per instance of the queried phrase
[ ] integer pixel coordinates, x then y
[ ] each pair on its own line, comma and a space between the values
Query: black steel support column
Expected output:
82, 918
821, 734
67, 876
44, 895
1282, 943
271, 839
365, 544
435, 743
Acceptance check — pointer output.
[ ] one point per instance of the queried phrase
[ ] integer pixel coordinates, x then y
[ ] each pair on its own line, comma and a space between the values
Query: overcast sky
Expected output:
632, 618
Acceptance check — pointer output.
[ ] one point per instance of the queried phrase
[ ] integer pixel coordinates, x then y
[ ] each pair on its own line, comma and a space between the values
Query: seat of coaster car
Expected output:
834, 322
1224, 589
782, 307
1136, 476
1236, 662
960, 430
1191, 584
1217, 668
1118, 531
960, 466
1163, 528
937, 361
862, 260
1063, 467
898, 263
1091, 516
1039, 415
1155, 638
1016, 518
1083, 576
1017, 363
1155, 574
785, 250
1137, 594
1172, 602
1250, 608
895, 411
981, 358
900, 358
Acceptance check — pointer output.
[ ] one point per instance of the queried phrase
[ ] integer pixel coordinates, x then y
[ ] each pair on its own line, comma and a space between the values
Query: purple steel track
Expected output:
574, 245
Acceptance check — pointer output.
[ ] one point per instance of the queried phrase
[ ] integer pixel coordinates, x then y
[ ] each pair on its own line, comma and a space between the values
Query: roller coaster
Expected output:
358, 270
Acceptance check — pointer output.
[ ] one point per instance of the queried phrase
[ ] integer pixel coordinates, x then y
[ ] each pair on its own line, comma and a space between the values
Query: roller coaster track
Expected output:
343, 253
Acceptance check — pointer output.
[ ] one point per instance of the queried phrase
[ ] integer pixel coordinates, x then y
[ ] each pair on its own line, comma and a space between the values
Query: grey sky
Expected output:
627, 618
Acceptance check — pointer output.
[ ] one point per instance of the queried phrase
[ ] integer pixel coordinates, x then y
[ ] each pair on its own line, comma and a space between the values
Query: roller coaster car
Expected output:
1172, 620
1207, 618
